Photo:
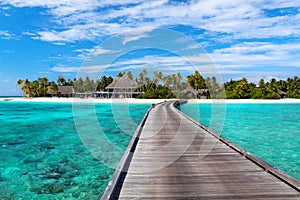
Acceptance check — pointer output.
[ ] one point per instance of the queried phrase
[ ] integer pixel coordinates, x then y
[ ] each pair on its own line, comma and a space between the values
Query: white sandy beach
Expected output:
152, 101
244, 101
88, 100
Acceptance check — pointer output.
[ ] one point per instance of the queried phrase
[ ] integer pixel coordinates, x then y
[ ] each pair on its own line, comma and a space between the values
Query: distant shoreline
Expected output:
151, 101
78, 100
245, 101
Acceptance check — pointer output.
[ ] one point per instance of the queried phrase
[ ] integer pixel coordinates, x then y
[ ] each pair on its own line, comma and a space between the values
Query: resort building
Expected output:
122, 87
51, 92
65, 91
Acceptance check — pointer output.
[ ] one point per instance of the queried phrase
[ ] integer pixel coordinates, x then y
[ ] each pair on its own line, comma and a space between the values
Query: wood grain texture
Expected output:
177, 159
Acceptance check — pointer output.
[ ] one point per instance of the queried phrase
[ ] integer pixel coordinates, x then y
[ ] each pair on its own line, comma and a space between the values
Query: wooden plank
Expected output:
176, 158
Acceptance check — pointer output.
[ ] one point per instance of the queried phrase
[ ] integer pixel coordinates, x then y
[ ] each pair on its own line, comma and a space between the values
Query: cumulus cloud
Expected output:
89, 19
226, 22
257, 54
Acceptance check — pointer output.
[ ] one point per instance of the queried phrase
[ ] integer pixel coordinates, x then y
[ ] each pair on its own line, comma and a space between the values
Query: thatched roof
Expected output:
66, 90
122, 83
51, 91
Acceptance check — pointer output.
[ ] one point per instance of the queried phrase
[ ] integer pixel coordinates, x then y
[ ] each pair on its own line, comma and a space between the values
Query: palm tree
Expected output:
70, 82
157, 77
34, 88
88, 85
282, 85
142, 78
196, 80
190, 79
26, 88
178, 79
43, 85
53, 87
167, 81
174, 81
61, 81
241, 87
20, 83
129, 75
78, 85
121, 74
293, 87
179, 76
274, 86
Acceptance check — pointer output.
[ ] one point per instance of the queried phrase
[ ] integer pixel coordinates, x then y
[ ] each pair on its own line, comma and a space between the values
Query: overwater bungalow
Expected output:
122, 87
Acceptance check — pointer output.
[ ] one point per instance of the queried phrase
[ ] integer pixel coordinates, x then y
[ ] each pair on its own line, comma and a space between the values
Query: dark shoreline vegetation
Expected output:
171, 86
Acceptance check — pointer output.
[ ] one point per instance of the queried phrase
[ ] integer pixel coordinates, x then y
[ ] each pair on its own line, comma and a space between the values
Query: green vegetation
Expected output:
43, 88
171, 86
274, 89
153, 88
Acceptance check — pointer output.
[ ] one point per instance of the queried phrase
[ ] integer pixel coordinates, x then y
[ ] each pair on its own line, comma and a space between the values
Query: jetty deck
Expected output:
173, 157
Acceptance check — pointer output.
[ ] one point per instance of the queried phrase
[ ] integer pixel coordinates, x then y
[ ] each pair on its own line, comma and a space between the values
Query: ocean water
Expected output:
46, 154
11, 97
43, 156
269, 131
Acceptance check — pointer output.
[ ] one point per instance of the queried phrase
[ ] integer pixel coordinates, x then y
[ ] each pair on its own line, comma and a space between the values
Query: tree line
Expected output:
172, 86
274, 89
42, 87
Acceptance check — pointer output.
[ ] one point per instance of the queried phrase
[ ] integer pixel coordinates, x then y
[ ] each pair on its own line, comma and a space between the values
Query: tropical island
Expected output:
124, 85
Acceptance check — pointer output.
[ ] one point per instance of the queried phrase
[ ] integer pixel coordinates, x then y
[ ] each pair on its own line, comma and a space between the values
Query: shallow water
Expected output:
42, 156
269, 131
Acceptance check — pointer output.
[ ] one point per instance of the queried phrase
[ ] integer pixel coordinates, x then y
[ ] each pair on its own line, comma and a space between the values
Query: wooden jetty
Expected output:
173, 157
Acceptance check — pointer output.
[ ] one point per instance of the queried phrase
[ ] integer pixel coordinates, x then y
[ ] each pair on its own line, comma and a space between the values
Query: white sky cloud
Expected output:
136, 34
49, 36
257, 54
226, 22
99, 51
28, 33
6, 35
82, 19
64, 69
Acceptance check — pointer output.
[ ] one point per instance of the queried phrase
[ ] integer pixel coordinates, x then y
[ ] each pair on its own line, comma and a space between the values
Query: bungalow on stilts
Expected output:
122, 87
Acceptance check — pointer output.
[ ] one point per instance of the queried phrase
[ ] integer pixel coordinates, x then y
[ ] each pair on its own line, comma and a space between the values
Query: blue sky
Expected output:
244, 38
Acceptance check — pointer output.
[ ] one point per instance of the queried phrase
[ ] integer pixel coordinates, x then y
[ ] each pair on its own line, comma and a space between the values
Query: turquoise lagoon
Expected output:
269, 131
42, 156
